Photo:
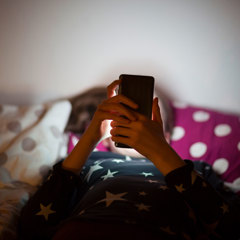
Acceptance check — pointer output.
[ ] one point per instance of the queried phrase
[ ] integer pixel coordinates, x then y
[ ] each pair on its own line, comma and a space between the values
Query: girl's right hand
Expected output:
113, 108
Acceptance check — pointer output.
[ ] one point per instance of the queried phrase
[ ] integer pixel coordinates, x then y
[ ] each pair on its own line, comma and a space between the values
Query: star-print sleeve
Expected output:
219, 217
52, 203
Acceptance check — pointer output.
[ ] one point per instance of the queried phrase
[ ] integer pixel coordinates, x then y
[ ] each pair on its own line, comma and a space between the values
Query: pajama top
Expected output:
189, 203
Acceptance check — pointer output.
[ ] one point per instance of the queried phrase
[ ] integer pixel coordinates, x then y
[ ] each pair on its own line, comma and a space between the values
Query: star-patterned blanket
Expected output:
123, 190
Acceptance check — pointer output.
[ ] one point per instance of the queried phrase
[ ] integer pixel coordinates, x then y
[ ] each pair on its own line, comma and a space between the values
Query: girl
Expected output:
105, 195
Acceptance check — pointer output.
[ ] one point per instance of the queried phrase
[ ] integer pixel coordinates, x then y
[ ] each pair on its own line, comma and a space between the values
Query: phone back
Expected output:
140, 90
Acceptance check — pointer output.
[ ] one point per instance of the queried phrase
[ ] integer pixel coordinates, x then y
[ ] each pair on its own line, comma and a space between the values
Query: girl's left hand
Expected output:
144, 135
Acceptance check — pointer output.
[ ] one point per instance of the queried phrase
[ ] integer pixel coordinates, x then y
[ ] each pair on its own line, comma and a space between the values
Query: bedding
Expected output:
31, 141
33, 138
210, 136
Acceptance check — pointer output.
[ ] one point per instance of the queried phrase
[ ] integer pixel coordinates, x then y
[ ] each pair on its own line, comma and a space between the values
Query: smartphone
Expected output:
139, 89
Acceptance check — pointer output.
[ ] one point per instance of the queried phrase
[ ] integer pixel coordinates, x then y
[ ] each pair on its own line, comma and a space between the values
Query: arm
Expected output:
111, 108
146, 136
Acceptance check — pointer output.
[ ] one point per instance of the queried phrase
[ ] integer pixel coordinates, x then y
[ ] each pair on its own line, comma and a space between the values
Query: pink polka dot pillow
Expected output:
210, 136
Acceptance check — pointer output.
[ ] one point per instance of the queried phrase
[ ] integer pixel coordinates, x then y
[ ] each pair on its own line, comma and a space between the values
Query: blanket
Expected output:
31, 141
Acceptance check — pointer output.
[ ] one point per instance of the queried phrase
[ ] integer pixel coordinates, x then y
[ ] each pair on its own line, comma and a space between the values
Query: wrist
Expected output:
93, 132
79, 155
166, 159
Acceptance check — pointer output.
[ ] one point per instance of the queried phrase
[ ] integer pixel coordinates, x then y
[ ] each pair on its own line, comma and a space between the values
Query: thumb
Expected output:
111, 88
156, 115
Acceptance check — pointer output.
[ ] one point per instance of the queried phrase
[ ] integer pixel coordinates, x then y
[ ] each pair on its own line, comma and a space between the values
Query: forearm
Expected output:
77, 158
165, 158
111, 109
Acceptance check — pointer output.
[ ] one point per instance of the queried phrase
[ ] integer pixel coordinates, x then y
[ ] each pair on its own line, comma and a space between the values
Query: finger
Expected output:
156, 111
122, 139
122, 99
130, 125
111, 88
123, 131
108, 116
117, 124
118, 109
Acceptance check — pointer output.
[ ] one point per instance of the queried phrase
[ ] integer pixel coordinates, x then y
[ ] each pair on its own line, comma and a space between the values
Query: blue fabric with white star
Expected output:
121, 189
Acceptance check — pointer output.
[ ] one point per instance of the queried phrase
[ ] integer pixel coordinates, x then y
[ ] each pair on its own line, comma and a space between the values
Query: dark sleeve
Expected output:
52, 203
219, 218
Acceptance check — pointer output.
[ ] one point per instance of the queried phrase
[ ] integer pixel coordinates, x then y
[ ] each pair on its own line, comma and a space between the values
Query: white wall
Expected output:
52, 48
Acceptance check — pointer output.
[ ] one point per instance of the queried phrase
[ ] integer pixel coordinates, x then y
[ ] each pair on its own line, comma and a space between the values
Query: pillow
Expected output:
31, 139
84, 106
210, 136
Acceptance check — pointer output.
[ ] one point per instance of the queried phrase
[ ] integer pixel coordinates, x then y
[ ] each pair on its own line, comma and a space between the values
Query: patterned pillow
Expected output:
84, 106
210, 136
31, 138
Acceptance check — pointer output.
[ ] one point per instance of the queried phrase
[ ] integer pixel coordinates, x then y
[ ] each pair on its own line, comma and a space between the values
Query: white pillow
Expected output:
31, 139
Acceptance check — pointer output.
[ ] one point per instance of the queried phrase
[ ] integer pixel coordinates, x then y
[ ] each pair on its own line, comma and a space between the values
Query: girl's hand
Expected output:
144, 135
147, 137
112, 109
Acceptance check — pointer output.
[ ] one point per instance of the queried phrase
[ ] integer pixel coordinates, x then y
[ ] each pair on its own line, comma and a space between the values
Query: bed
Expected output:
34, 137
